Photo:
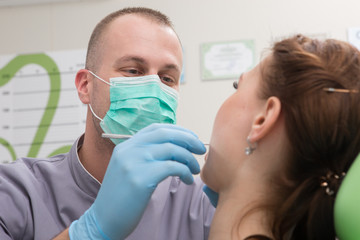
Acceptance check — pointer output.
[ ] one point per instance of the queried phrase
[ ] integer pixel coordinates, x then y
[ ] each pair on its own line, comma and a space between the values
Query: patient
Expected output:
282, 143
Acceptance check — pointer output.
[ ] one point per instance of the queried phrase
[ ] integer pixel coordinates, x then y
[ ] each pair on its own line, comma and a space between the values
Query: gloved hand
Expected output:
136, 167
213, 196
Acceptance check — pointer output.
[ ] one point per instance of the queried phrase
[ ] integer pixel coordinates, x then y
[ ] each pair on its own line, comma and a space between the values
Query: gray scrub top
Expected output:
39, 198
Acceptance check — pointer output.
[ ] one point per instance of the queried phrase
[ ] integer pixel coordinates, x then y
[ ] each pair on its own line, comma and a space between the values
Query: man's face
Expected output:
131, 46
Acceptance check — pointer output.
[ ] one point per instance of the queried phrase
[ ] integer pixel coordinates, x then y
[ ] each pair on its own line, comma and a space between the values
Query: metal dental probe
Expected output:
122, 136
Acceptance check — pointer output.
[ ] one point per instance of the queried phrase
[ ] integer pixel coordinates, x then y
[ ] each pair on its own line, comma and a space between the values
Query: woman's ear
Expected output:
83, 85
266, 120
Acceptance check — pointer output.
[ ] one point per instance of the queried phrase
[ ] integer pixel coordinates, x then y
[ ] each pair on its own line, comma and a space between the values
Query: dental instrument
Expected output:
123, 136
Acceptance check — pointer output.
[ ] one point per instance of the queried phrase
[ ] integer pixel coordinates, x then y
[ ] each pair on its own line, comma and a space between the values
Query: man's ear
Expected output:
266, 120
83, 85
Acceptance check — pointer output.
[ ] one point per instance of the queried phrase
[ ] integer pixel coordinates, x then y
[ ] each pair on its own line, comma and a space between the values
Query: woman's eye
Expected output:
235, 84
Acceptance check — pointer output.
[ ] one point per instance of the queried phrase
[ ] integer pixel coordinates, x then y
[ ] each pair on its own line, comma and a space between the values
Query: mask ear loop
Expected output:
90, 104
99, 78
94, 113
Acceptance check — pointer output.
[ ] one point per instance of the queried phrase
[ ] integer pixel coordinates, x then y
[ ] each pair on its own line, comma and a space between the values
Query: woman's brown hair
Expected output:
322, 127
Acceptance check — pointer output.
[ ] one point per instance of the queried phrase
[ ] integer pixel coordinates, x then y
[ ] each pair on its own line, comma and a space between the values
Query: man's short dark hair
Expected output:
92, 56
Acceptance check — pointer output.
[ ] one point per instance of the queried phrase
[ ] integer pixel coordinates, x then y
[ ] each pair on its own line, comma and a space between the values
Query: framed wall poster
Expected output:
226, 60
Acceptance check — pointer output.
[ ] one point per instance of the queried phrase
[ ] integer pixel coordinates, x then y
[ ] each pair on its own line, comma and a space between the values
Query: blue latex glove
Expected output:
136, 167
213, 196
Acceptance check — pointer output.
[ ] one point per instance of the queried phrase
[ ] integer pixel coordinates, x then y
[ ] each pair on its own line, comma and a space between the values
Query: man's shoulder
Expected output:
34, 191
24, 192
27, 176
27, 167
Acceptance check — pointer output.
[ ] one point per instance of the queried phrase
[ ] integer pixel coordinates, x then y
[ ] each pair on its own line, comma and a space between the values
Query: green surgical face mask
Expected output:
136, 102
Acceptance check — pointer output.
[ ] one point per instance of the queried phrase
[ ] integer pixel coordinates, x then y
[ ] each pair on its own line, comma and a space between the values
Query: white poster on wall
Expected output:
40, 112
354, 36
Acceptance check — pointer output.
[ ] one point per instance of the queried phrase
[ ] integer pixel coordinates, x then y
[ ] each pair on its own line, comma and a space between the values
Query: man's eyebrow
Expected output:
172, 67
143, 61
130, 59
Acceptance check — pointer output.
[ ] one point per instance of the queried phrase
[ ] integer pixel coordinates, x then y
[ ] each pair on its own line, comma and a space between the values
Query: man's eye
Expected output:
168, 80
133, 71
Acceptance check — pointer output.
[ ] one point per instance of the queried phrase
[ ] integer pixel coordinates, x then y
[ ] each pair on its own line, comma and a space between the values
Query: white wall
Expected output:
67, 25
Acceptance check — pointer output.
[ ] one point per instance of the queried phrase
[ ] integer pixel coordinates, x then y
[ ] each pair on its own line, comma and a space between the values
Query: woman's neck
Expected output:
240, 212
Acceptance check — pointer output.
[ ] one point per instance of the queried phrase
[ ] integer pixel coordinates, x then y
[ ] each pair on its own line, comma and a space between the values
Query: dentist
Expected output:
140, 188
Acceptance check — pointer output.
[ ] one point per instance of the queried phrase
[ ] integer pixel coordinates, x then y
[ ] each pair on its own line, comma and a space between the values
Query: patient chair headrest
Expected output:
347, 205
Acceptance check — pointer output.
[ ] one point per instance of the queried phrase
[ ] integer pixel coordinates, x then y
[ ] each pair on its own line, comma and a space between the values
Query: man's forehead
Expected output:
132, 19
133, 35
135, 25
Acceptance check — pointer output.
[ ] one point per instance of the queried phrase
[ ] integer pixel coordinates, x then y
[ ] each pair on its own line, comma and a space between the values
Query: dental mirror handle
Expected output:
122, 136
115, 136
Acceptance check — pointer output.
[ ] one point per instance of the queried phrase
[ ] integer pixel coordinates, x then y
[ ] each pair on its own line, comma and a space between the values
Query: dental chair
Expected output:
347, 205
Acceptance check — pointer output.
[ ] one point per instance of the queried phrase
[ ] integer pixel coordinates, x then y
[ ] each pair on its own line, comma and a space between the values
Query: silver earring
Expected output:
252, 146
